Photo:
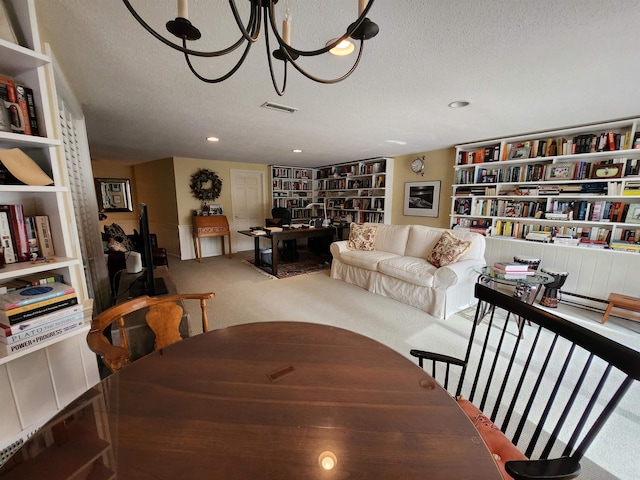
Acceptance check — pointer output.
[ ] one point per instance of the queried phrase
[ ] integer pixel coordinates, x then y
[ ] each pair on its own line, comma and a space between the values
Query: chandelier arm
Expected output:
331, 80
249, 36
183, 48
225, 76
312, 53
270, 62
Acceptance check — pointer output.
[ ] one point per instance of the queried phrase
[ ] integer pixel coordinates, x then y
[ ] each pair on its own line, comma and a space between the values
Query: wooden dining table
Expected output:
283, 400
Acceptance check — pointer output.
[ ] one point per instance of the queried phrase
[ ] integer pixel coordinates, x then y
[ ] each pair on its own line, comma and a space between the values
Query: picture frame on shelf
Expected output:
422, 199
517, 153
607, 170
633, 214
559, 171
215, 209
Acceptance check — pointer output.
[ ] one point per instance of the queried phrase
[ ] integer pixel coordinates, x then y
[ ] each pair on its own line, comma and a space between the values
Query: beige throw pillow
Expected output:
448, 250
362, 237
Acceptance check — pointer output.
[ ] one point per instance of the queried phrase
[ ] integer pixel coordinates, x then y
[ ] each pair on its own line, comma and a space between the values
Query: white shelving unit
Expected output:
292, 188
356, 191
38, 382
589, 193
554, 192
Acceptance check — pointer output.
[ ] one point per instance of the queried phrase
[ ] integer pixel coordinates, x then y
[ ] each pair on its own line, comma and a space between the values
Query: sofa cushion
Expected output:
362, 237
421, 240
392, 238
409, 269
448, 250
499, 445
368, 260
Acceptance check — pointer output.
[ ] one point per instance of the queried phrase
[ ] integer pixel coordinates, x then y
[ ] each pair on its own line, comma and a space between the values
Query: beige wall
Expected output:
187, 203
106, 169
156, 186
438, 165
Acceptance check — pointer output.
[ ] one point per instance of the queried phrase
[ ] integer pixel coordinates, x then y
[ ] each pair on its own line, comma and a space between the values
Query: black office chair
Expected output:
282, 216
550, 408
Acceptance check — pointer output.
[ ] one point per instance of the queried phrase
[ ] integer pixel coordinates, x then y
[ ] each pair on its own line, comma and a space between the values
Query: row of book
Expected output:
564, 210
24, 238
45, 307
20, 106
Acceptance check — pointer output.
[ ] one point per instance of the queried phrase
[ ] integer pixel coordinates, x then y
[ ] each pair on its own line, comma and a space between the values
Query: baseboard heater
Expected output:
578, 303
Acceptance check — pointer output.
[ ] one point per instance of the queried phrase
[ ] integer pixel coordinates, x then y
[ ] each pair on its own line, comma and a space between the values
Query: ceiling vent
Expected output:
278, 107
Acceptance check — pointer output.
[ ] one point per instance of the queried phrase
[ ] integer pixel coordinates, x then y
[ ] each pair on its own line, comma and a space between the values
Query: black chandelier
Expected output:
362, 29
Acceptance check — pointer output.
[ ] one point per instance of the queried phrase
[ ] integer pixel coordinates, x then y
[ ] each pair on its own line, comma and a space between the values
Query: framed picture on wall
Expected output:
422, 199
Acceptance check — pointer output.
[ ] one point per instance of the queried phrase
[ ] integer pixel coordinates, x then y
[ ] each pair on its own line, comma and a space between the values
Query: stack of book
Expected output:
32, 315
512, 270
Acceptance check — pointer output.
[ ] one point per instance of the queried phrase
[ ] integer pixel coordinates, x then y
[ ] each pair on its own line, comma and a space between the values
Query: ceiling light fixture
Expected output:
213, 139
459, 104
296, 150
362, 29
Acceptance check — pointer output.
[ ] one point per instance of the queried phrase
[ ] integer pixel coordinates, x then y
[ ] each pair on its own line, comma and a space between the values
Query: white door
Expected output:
247, 204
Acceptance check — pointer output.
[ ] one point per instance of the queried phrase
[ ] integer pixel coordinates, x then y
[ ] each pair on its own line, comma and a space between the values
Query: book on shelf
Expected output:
625, 246
30, 280
510, 267
6, 329
33, 295
8, 94
32, 237
8, 349
31, 110
18, 229
41, 278
43, 231
21, 100
11, 285
517, 275
34, 310
6, 239
25, 334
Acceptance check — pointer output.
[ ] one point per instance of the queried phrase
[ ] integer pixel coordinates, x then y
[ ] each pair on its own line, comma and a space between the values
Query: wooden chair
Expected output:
537, 402
164, 317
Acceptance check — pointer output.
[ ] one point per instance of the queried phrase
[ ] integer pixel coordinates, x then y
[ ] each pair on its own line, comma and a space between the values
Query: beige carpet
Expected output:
244, 295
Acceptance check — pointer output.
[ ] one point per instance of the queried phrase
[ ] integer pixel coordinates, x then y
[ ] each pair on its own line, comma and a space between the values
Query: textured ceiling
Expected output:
523, 65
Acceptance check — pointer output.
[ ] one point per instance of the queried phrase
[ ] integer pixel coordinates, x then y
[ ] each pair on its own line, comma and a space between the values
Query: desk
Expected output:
264, 400
210, 226
286, 234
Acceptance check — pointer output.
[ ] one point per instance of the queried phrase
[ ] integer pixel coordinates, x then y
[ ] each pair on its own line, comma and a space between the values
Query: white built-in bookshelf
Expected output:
37, 382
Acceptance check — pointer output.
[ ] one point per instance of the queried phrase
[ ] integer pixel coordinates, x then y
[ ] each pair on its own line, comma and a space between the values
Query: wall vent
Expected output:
278, 107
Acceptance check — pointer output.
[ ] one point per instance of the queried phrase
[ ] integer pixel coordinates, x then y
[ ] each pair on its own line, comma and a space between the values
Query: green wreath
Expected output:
200, 182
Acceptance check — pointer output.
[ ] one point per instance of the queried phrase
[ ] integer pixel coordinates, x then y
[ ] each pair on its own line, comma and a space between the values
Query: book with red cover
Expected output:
21, 100
18, 231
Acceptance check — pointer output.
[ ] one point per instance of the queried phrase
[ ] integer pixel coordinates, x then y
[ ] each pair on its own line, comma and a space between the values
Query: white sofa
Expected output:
397, 268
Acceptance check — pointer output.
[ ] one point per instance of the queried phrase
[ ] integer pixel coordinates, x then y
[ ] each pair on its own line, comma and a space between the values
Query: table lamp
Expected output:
325, 222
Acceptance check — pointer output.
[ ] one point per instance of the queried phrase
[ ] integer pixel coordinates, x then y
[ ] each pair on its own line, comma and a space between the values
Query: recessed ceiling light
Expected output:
459, 104
397, 142
345, 47
297, 150
213, 139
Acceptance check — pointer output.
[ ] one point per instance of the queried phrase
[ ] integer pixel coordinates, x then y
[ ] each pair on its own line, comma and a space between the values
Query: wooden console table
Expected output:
211, 226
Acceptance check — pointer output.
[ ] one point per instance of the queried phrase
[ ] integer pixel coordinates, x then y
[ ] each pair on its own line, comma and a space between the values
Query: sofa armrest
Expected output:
338, 247
450, 275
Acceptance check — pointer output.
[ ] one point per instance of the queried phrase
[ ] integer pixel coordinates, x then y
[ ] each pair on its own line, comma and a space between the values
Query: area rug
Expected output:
307, 262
